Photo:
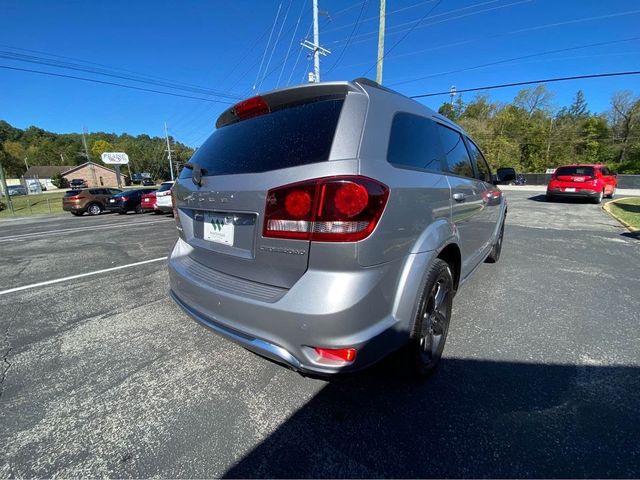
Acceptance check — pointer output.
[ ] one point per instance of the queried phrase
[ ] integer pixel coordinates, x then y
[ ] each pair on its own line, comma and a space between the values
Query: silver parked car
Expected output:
327, 225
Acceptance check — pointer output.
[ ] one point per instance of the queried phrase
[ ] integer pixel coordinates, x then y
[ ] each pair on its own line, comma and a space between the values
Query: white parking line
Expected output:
25, 236
82, 275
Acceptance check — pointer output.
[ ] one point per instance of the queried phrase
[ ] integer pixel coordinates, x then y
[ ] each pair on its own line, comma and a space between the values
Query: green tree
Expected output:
99, 147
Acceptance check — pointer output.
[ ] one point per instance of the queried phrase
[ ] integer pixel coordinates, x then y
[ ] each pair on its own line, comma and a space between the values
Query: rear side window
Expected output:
290, 137
414, 143
455, 152
484, 172
605, 171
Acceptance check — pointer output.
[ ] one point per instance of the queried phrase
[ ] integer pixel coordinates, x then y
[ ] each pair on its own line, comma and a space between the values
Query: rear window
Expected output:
165, 186
72, 193
289, 137
414, 143
576, 171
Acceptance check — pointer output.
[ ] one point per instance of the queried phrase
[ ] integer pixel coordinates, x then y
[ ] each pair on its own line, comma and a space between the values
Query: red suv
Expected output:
587, 181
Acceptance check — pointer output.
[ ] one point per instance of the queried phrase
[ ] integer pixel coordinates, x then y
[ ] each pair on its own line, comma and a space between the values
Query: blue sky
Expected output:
219, 45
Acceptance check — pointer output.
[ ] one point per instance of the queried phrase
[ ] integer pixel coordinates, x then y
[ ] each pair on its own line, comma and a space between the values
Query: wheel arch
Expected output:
451, 254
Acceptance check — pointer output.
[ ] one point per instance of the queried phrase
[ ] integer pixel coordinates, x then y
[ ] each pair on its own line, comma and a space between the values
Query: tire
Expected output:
431, 325
157, 212
598, 199
613, 192
94, 209
494, 255
138, 209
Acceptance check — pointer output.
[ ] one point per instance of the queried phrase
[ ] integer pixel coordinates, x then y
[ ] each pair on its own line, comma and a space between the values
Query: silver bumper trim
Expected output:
262, 347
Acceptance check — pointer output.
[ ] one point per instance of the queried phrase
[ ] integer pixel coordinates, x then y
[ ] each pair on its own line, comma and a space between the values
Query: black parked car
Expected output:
128, 200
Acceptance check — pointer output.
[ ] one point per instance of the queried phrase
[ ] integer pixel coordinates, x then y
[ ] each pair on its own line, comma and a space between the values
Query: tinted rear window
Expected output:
577, 171
165, 186
414, 143
290, 137
455, 152
72, 193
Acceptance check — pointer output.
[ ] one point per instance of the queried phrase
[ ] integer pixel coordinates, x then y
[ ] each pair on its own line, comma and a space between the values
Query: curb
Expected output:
607, 209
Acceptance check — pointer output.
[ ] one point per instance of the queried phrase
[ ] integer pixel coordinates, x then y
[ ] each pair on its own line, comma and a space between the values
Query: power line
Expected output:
302, 4
375, 17
522, 57
266, 47
346, 45
93, 80
275, 44
499, 35
404, 36
530, 82
391, 32
83, 68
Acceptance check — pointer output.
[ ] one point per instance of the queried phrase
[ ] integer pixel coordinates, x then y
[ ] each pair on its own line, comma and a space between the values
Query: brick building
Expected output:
96, 175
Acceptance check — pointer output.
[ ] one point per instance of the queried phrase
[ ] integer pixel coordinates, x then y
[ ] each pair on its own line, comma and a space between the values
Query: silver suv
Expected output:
327, 225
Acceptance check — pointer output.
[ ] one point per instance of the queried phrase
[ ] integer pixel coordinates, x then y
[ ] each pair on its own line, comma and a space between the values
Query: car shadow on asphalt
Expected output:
543, 199
635, 235
472, 418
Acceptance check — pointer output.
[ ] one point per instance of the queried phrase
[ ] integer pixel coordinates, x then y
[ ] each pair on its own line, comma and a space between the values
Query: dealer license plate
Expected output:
218, 228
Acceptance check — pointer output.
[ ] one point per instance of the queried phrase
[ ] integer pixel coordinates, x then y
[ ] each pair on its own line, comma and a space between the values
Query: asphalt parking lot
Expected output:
105, 376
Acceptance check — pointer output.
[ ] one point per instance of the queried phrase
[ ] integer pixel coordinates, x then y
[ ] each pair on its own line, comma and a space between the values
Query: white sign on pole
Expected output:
550, 170
115, 158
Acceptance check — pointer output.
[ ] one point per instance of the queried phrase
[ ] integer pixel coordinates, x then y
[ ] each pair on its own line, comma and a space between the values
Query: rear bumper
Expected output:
579, 193
72, 208
115, 208
323, 309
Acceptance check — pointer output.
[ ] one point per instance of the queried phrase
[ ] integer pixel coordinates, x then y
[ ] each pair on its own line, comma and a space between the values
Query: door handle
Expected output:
459, 197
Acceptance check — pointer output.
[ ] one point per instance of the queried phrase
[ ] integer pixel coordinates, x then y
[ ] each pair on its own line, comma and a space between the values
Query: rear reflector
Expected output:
330, 209
252, 107
346, 355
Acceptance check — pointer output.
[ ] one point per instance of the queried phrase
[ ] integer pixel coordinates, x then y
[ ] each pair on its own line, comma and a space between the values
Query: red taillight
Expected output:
351, 199
330, 209
346, 355
76, 197
124, 199
252, 107
298, 203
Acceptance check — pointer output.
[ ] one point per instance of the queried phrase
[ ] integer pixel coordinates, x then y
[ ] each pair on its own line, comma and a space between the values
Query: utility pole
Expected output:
316, 41
166, 134
86, 154
452, 93
315, 47
383, 7
25, 162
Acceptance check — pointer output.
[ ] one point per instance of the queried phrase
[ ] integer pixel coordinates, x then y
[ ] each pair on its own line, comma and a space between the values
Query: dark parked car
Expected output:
148, 182
90, 200
127, 201
327, 225
505, 176
78, 183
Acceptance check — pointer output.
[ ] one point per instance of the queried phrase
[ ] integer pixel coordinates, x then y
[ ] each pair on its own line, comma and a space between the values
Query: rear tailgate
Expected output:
222, 215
